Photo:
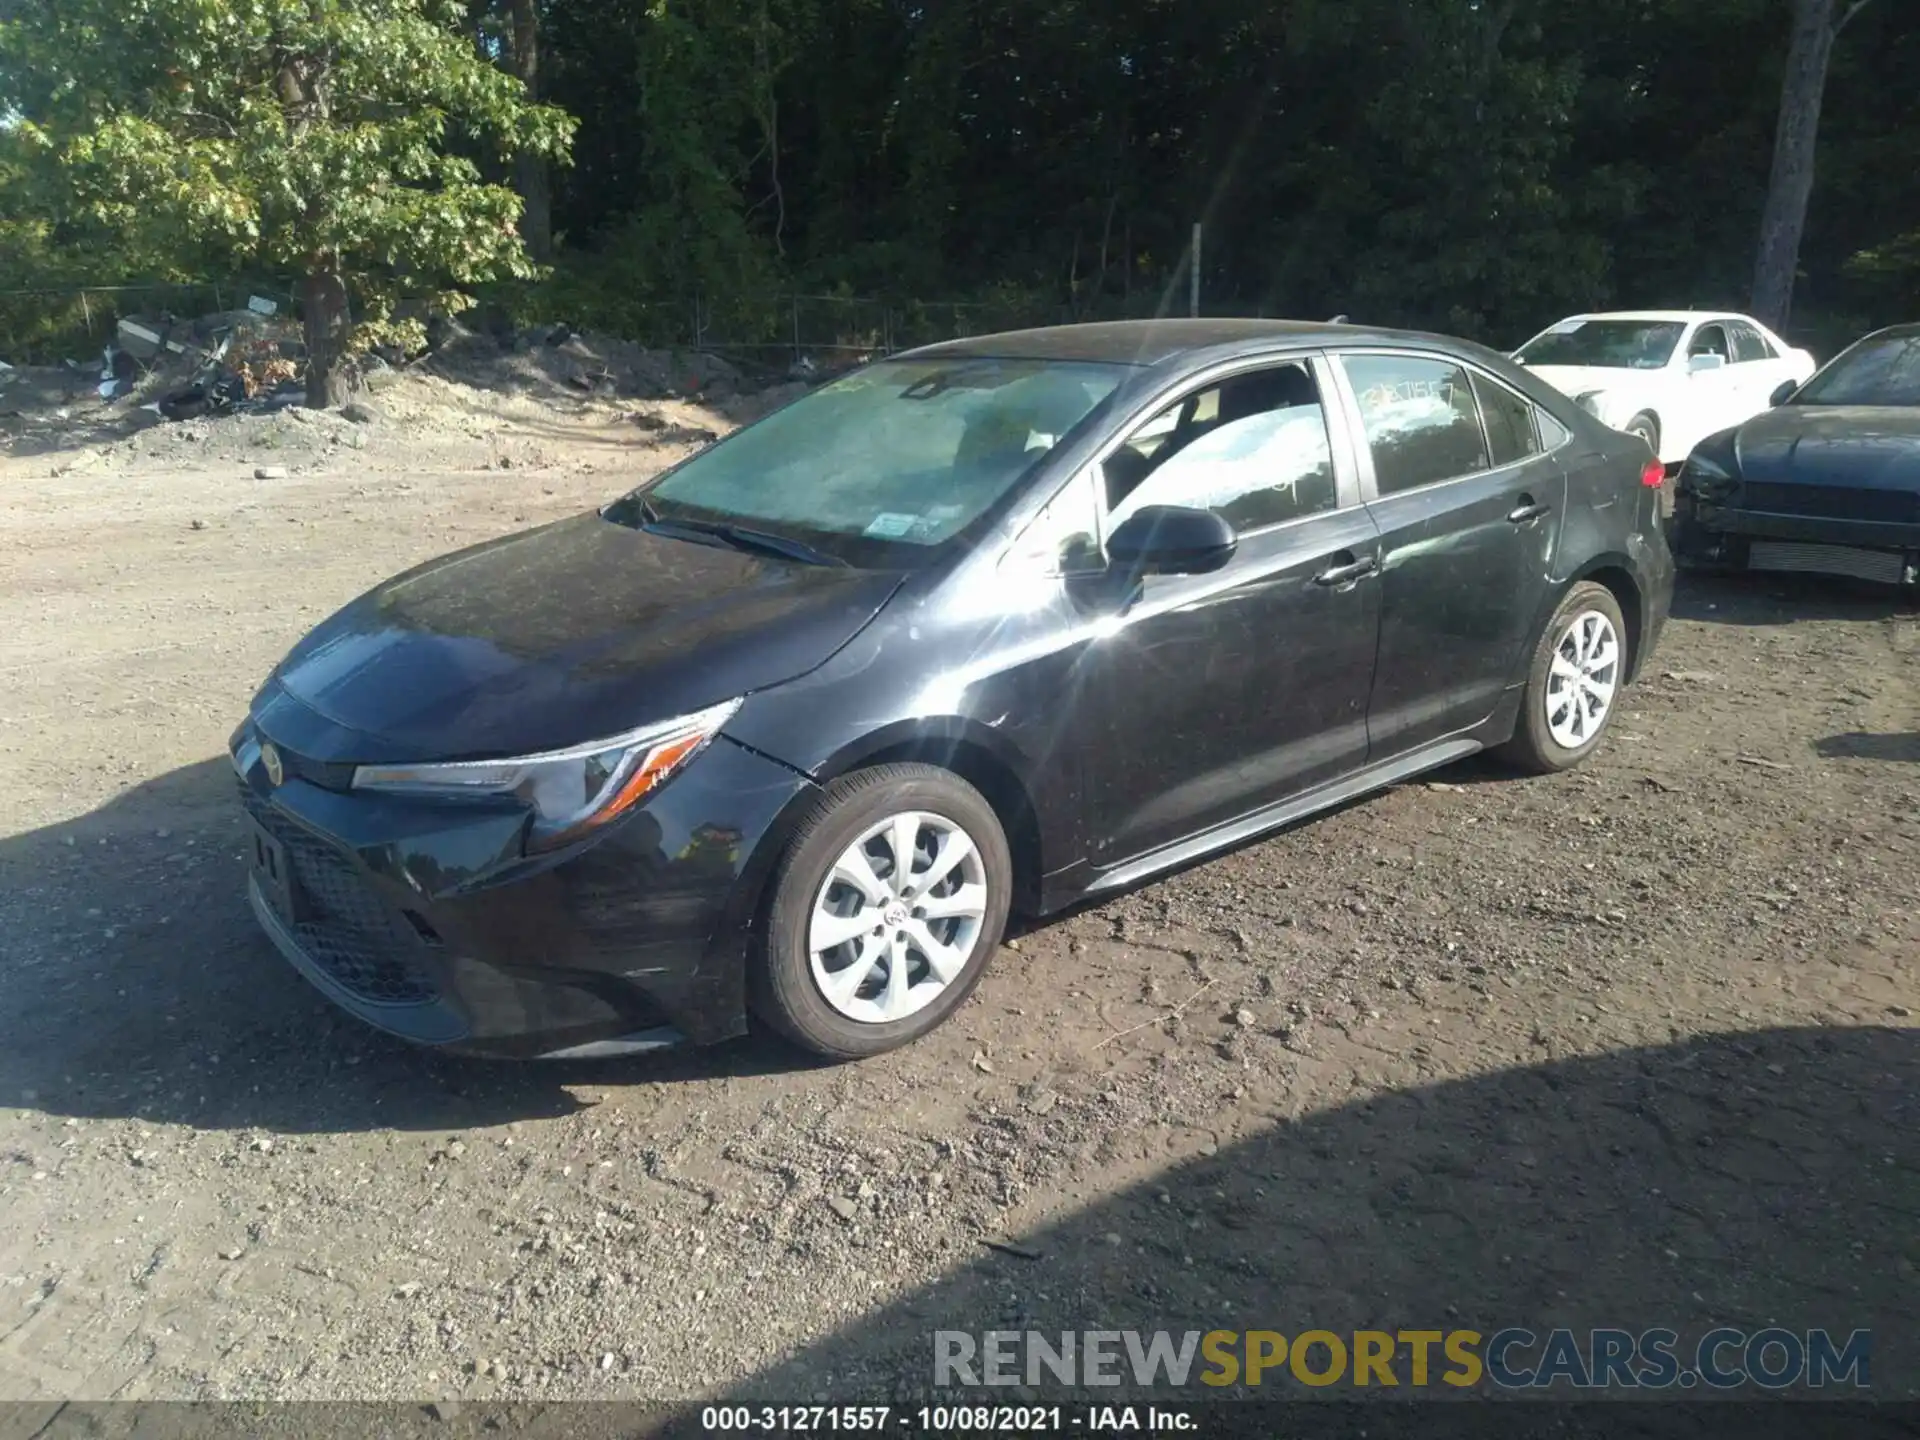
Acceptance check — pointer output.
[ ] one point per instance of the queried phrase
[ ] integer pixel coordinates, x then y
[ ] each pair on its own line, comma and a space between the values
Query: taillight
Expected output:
1653, 475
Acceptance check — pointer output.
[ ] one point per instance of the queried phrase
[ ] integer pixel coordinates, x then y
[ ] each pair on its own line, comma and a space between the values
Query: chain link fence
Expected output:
788, 329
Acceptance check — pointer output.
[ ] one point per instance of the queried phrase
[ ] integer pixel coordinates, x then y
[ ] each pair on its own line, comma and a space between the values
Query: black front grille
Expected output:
1829, 502
362, 943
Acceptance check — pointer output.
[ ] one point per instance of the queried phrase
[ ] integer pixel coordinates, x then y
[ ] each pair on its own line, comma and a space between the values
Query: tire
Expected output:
1557, 730
1647, 428
819, 881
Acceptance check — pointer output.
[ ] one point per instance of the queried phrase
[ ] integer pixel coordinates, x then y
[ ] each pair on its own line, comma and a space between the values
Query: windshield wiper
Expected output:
741, 537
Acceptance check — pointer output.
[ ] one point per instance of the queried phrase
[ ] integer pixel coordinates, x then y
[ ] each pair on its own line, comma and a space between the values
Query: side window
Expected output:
1552, 433
1748, 343
1510, 429
1711, 340
1254, 449
1063, 539
1421, 421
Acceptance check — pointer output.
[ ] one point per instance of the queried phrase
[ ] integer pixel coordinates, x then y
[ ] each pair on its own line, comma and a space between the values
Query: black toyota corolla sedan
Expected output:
1827, 481
1004, 622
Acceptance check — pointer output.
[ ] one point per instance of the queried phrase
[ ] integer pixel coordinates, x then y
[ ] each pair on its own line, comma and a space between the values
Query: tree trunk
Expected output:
324, 300
530, 176
1791, 183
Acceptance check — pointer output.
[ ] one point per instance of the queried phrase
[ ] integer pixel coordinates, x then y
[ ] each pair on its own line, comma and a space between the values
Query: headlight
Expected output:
1704, 479
570, 791
1591, 402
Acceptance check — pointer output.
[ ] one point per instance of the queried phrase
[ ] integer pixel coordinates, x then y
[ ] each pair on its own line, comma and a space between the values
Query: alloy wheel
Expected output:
1582, 679
897, 918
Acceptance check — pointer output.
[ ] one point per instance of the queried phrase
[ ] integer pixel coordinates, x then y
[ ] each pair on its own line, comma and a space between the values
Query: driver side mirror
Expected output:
1697, 363
1786, 391
1171, 540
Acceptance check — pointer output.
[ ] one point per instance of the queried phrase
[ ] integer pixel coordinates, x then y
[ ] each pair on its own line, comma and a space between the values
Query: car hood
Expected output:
563, 634
1577, 380
1856, 446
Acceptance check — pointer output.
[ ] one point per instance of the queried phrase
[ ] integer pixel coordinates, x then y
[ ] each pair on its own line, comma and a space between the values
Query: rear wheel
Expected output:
1647, 428
891, 898
1573, 686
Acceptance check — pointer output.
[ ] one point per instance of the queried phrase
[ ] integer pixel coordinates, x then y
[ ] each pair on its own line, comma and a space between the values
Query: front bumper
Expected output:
425, 919
1731, 537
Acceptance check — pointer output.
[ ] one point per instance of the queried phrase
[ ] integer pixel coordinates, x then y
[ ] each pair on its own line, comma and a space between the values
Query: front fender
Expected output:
1621, 403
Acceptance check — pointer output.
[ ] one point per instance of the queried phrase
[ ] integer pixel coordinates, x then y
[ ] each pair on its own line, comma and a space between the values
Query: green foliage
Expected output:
1480, 166
313, 137
48, 254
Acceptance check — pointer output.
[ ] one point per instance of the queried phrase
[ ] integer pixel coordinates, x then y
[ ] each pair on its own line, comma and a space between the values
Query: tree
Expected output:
1816, 25
328, 138
530, 174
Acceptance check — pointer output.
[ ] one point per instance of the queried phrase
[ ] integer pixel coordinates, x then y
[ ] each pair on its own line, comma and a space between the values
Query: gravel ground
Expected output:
1631, 1046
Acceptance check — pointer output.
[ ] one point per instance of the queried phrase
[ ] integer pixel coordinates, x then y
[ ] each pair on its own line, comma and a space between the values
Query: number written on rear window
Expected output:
1748, 343
1422, 424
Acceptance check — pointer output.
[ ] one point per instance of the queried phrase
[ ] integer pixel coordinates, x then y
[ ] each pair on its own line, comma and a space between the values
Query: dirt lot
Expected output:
1634, 1046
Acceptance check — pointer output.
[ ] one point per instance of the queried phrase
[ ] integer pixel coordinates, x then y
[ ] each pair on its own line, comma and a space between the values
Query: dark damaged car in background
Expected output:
1826, 482
999, 624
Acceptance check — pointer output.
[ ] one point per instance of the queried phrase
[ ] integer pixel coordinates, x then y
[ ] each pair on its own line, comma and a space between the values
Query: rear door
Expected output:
1468, 506
1758, 365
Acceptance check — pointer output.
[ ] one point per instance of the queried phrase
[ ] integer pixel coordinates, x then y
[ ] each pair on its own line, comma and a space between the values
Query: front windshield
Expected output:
901, 453
1610, 344
1883, 371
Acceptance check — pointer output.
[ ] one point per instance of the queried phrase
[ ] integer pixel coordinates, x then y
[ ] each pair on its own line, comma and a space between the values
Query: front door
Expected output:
1469, 508
1224, 692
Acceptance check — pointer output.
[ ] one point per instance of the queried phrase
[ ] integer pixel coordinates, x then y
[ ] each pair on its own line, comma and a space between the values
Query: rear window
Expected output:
1511, 435
1421, 421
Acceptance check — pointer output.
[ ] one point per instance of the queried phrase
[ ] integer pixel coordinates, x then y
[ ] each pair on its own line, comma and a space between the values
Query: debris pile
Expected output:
251, 358
559, 362
171, 367
231, 384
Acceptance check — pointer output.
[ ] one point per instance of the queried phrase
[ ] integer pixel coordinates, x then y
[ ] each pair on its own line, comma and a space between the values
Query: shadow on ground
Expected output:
1860, 745
1755, 1180
1748, 1180
1766, 599
137, 985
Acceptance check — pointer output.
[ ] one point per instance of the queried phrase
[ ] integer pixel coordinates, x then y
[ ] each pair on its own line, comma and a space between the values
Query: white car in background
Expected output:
1672, 377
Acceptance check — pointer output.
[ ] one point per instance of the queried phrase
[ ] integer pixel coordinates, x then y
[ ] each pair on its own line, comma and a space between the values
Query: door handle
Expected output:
1347, 571
1527, 511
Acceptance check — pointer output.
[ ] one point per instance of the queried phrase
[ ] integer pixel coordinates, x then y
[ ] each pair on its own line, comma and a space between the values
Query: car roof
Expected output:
1683, 317
1148, 342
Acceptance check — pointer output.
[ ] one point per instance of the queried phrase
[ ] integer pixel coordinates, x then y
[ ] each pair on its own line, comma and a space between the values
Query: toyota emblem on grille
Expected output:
270, 757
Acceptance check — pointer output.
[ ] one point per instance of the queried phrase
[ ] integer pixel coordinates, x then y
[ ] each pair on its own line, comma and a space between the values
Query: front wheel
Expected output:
889, 901
1579, 666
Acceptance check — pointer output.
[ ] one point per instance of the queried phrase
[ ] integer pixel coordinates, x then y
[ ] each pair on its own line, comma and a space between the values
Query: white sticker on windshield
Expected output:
1566, 327
891, 526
